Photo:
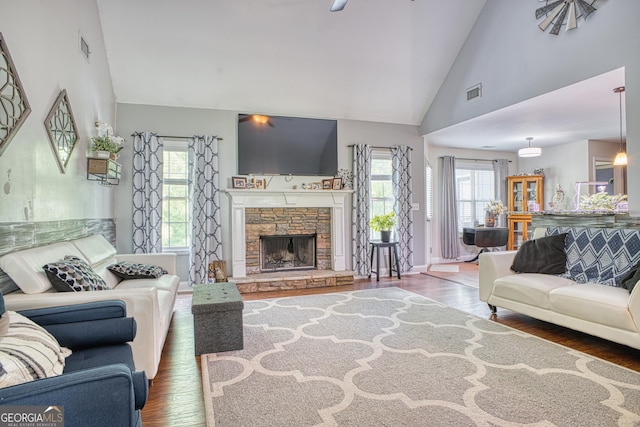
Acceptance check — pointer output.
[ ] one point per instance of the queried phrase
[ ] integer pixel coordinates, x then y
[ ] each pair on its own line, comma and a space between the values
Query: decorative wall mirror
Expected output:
14, 107
62, 130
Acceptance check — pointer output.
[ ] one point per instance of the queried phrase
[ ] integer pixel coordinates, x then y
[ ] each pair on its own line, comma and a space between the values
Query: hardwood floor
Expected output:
175, 398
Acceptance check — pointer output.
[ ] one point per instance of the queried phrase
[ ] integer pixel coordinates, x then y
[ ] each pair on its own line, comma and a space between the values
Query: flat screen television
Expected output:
272, 145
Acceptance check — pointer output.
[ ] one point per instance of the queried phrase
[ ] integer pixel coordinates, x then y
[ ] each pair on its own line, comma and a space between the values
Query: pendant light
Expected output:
529, 151
621, 157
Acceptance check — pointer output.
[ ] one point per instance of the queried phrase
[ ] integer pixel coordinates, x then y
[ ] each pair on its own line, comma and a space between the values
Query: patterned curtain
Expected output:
449, 210
360, 209
147, 193
500, 173
206, 234
401, 180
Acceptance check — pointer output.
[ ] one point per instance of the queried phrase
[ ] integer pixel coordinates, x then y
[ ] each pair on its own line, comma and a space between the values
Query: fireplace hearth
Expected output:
289, 252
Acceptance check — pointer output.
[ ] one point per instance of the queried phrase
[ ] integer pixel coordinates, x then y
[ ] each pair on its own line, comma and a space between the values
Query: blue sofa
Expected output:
99, 385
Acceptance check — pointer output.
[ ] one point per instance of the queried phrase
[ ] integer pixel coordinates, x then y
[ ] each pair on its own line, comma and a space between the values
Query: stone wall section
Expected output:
292, 280
286, 222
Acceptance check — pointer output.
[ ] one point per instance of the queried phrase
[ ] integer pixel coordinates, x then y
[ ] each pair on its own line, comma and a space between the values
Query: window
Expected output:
381, 186
475, 187
175, 196
428, 191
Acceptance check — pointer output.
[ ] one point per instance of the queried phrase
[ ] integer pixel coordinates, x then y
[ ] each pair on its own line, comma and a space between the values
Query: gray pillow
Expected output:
73, 275
545, 255
630, 280
129, 270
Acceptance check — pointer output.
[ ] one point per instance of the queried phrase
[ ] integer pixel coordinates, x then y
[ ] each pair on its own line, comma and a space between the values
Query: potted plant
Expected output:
106, 144
102, 146
383, 224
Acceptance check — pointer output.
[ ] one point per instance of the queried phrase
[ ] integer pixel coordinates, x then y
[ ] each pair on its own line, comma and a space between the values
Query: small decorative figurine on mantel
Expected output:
558, 202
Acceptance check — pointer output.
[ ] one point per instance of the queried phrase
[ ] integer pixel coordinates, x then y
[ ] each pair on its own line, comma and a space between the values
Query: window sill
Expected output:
177, 251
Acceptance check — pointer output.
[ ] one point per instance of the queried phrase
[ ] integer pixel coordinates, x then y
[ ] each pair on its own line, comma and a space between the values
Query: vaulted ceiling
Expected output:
377, 60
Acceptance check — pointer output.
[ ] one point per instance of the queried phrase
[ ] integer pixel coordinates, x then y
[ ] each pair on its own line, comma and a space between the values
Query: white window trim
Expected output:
473, 165
381, 154
428, 187
177, 145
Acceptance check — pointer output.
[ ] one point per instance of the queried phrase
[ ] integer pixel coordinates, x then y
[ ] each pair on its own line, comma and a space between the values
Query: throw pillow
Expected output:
129, 270
74, 275
630, 280
545, 255
27, 351
599, 255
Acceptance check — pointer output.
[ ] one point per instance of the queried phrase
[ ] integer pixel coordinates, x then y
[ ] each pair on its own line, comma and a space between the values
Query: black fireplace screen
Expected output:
295, 252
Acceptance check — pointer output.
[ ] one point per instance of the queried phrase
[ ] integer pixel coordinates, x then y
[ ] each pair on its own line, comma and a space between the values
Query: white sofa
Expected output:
149, 301
604, 311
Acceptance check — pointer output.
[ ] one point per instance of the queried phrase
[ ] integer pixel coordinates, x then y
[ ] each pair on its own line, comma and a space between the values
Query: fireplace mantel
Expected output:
284, 198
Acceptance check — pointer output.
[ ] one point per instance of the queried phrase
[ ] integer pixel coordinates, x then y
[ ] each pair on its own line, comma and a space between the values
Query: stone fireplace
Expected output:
292, 252
274, 212
272, 223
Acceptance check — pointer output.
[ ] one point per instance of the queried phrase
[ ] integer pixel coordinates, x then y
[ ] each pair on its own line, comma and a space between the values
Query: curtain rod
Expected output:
373, 146
181, 137
473, 160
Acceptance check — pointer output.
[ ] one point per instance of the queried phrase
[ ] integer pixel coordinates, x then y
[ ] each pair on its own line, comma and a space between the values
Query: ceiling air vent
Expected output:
474, 92
83, 47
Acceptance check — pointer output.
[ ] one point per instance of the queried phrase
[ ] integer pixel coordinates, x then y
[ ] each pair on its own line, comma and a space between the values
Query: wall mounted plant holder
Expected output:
62, 130
14, 107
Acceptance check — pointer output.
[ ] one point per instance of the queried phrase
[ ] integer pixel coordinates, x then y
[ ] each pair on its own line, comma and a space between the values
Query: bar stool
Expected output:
392, 248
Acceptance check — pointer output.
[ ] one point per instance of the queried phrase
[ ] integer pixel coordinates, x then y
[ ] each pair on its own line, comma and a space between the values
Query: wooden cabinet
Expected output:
104, 170
525, 194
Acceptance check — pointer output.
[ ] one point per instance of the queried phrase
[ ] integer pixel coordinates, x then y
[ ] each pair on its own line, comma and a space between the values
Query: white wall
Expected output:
563, 164
190, 121
567, 164
42, 38
515, 61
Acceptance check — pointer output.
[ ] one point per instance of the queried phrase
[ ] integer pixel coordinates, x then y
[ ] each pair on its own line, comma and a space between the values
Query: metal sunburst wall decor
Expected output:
556, 12
14, 107
62, 130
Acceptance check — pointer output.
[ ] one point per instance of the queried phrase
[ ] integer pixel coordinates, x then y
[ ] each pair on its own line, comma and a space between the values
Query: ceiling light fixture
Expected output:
338, 5
258, 118
529, 151
621, 157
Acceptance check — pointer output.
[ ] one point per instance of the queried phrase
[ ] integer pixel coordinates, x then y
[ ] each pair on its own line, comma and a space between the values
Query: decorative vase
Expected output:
385, 236
489, 219
101, 154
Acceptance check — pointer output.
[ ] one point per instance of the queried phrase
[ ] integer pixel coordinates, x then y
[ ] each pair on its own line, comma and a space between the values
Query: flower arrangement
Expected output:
495, 207
601, 201
106, 141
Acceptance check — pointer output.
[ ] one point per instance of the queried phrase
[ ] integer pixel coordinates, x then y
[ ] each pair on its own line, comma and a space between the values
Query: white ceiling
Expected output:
586, 110
377, 60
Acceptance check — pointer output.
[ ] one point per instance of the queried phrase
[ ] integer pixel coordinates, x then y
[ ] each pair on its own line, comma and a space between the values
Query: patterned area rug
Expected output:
388, 357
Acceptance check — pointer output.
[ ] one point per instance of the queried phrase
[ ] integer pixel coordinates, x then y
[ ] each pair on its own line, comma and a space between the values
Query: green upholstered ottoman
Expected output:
217, 318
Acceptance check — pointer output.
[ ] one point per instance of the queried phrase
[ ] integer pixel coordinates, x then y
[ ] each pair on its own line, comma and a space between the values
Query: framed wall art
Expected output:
62, 130
16, 108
